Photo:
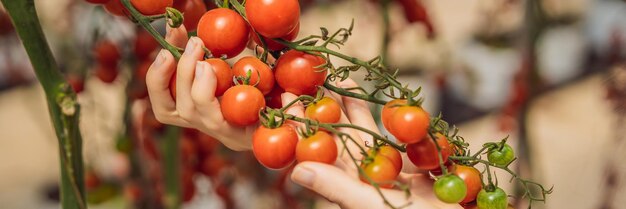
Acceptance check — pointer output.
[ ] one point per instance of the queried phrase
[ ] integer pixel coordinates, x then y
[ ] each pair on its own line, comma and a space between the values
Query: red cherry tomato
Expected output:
273, 18
223, 32
192, 12
389, 109
223, 75
151, 7
424, 155
76, 82
392, 154
241, 104
381, 171
275, 148
187, 185
274, 98
273, 45
173, 86
320, 147
107, 53
106, 74
144, 45
98, 1
471, 177
179, 4
409, 124
256, 68
296, 72
211, 166
326, 110
115, 7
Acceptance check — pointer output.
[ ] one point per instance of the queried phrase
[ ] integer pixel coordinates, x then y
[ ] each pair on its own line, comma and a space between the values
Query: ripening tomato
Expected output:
326, 110
450, 189
76, 82
115, 7
496, 199
471, 177
320, 147
424, 154
273, 18
106, 74
501, 156
98, 1
389, 109
223, 75
241, 104
390, 153
275, 148
192, 12
381, 171
144, 45
273, 45
255, 68
224, 32
297, 72
274, 98
409, 124
106, 53
151, 7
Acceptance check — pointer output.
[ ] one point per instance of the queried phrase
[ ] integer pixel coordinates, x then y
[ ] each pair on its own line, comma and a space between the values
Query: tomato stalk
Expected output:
63, 108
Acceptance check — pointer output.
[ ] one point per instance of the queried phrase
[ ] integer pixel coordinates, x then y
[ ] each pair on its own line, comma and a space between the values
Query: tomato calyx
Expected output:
175, 16
272, 118
245, 80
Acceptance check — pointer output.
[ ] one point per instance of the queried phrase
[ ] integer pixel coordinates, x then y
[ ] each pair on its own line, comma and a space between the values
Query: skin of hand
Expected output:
195, 105
340, 184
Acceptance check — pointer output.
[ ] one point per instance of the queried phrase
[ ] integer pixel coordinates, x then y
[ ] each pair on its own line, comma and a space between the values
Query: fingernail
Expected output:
199, 68
303, 176
191, 45
160, 57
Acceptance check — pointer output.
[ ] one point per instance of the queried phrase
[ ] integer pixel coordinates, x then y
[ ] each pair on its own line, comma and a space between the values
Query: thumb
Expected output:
335, 185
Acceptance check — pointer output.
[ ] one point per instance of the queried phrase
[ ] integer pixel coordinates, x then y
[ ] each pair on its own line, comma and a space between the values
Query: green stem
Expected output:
385, 44
144, 21
347, 93
171, 165
61, 100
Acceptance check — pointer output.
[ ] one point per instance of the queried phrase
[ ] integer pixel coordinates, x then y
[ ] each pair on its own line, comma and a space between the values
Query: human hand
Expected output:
340, 184
195, 105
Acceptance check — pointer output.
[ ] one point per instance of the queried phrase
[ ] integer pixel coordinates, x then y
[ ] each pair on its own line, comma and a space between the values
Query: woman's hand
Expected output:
195, 105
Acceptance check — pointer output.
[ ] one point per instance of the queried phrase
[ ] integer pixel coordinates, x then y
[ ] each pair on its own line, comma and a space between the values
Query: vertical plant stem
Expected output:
61, 100
171, 167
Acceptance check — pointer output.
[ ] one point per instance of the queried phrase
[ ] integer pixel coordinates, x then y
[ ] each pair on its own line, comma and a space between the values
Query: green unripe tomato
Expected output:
450, 189
501, 157
496, 199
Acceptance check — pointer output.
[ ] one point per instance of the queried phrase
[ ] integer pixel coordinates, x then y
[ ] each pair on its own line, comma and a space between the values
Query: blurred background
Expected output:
550, 74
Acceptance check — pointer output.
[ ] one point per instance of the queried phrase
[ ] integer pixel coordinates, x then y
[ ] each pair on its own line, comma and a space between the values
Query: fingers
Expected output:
158, 81
176, 36
359, 112
335, 185
187, 65
203, 92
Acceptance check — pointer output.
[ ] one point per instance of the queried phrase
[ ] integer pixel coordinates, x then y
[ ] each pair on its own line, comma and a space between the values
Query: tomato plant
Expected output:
273, 18
224, 32
253, 67
273, 45
390, 153
320, 147
298, 73
450, 189
380, 170
241, 104
389, 109
151, 7
326, 110
501, 156
275, 148
223, 75
274, 98
471, 177
409, 124
424, 154
496, 199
